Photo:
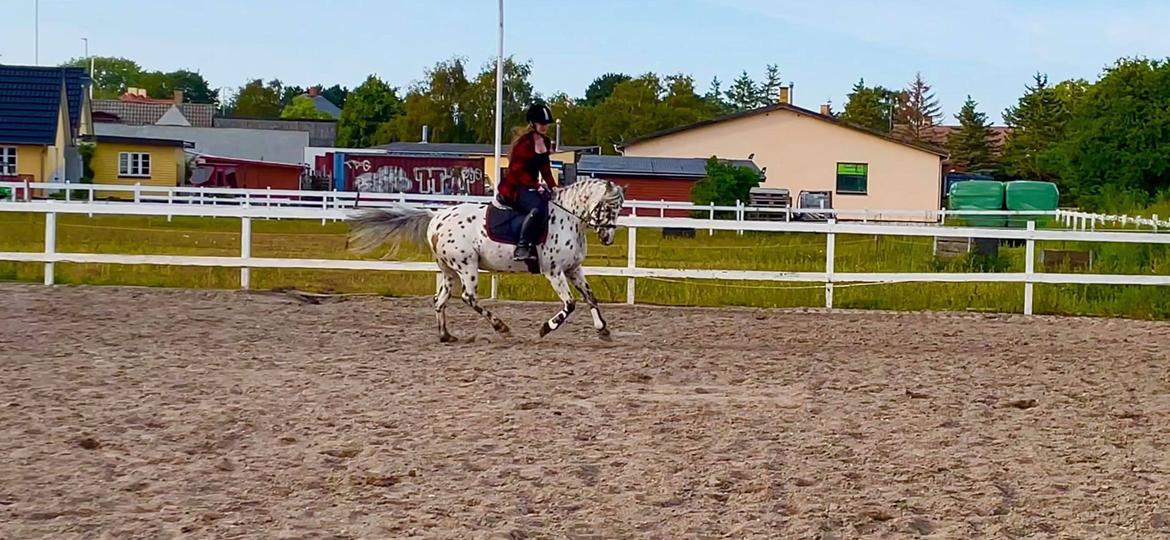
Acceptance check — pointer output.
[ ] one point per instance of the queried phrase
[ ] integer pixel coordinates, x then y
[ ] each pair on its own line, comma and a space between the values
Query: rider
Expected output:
521, 188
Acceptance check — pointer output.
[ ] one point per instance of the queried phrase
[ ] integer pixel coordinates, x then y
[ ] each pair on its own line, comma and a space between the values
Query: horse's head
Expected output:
597, 203
603, 217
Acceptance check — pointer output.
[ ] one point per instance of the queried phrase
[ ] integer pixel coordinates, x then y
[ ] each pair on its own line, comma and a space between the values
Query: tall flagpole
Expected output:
499, 96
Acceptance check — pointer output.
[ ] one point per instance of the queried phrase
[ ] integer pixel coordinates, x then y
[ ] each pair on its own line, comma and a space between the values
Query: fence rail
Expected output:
328, 200
829, 277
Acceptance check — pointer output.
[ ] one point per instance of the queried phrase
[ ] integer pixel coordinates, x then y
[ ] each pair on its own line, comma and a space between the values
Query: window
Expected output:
7, 161
133, 164
852, 178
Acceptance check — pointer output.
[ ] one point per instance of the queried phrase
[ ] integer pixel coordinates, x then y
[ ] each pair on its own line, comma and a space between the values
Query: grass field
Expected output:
724, 250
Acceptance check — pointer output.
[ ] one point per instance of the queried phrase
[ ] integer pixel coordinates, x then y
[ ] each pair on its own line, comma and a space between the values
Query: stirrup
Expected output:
524, 253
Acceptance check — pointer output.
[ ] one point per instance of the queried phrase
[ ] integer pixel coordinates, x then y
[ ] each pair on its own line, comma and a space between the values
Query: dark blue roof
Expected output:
30, 97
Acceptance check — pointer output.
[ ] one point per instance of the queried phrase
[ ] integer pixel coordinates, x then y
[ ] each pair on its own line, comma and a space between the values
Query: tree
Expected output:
918, 110
367, 111
870, 107
576, 119
257, 100
288, 94
744, 93
1037, 123
970, 144
770, 89
602, 87
724, 184
302, 107
714, 96
478, 108
111, 76
630, 112
163, 86
336, 95
1116, 137
437, 102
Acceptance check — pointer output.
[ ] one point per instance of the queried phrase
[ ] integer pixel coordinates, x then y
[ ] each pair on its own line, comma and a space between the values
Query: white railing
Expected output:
331, 200
631, 271
1087, 221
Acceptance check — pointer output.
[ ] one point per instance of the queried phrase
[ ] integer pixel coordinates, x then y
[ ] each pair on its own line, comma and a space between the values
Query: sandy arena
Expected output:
141, 413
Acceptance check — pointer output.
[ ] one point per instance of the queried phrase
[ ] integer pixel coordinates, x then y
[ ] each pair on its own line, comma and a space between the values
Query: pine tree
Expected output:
918, 110
744, 93
769, 90
970, 144
870, 107
1037, 122
715, 96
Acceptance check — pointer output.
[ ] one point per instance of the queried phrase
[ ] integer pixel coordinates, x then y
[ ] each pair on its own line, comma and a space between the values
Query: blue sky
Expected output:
988, 49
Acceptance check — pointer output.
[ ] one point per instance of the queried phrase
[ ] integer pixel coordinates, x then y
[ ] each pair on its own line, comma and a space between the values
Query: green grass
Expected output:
723, 250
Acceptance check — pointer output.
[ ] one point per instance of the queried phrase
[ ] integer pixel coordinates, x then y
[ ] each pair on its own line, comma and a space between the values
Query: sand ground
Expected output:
152, 413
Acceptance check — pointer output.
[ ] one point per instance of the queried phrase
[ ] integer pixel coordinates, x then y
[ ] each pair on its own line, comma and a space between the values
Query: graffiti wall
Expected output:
404, 174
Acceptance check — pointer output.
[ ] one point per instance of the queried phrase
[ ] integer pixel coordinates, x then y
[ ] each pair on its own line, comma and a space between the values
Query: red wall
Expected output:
265, 176
654, 189
408, 174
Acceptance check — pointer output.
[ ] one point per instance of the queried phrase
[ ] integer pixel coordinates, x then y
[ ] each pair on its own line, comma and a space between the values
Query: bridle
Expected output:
593, 221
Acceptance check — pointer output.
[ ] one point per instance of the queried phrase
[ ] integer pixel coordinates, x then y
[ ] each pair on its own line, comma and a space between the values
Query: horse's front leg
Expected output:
578, 278
561, 285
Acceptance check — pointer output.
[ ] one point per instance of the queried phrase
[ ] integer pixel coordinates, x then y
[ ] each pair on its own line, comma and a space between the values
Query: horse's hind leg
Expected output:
561, 286
470, 279
442, 295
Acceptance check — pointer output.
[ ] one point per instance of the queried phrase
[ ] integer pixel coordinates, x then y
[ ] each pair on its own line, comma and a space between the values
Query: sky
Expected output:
987, 49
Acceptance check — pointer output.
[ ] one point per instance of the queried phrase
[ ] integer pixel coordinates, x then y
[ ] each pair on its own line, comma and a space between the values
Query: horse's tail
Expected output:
371, 227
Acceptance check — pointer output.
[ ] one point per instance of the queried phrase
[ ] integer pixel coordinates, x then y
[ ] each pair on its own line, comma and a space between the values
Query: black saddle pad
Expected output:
503, 225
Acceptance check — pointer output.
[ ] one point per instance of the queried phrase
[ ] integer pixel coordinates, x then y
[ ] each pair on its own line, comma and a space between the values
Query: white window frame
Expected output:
134, 164
8, 165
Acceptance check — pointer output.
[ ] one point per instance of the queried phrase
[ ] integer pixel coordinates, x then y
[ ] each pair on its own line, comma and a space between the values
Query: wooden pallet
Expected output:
768, 198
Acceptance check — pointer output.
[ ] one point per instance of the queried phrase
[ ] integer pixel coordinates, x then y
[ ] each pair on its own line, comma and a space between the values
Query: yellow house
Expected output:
44, 113
802, 150
132, 160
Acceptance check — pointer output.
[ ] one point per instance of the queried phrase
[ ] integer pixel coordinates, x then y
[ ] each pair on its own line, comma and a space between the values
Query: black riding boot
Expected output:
524, 247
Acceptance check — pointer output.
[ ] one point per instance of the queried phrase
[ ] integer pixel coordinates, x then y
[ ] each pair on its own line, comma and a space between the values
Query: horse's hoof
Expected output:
545, 330
604, 334
502, 329
448, 338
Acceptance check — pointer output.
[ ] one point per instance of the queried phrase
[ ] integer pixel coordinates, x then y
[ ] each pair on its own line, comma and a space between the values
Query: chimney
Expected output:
178, 97
426, 133
825, 110
314, 91
785, 95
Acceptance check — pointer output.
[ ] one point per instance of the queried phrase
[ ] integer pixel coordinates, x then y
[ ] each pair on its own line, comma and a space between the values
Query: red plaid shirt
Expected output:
526, 165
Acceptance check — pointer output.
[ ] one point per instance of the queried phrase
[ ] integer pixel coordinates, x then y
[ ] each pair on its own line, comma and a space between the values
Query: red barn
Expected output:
652, 178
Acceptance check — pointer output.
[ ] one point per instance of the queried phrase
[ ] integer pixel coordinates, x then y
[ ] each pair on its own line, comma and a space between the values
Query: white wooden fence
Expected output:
331, 200
245, 261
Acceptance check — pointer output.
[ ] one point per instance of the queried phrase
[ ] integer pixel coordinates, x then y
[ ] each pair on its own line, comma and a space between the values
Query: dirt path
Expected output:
135, 413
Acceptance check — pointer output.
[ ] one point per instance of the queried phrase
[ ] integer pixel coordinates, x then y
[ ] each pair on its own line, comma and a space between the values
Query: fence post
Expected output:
137, 192
495, 285
245, 251
739, 214
91, 190
661, 208
1155, 222
631, 262
170, 201
711, 216
830, 257
1029, 268
50, 244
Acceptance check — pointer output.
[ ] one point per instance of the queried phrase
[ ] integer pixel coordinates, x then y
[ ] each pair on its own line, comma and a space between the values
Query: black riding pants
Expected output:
535, 208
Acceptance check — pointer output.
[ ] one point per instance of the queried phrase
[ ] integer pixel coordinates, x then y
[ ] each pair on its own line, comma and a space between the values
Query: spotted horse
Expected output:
459, 239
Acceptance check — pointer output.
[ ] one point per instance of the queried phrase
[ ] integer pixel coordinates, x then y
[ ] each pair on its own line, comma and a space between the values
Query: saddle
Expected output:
502, 224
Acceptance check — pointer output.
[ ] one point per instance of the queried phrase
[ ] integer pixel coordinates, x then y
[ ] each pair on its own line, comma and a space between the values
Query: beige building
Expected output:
801, 150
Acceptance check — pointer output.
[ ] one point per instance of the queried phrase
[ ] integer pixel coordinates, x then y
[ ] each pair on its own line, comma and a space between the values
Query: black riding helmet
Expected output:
539, 114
